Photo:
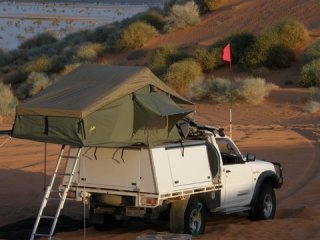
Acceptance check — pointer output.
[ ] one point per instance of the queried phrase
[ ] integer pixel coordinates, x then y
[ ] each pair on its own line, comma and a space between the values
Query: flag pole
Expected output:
231, 102
226, 56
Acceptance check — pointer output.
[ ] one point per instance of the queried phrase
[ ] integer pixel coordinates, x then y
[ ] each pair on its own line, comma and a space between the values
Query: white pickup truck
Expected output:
205, 173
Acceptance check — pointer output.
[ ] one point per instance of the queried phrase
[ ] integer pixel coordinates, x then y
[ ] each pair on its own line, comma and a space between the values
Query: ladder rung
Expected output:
47, 217
54, 199
66, 156
56, 191
64, 174
42, 235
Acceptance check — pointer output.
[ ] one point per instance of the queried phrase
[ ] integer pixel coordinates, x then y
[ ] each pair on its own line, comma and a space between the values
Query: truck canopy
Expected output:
103, 105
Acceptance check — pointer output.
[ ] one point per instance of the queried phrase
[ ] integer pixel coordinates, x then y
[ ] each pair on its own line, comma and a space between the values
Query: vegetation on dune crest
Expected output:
310, 74
182, 73
163, 57
7, 100
135, 36
182, 16
218, 90
277, 42
312, 52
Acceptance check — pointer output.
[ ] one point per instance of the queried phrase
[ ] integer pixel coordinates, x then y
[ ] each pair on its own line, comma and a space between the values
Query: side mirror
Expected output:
250, 157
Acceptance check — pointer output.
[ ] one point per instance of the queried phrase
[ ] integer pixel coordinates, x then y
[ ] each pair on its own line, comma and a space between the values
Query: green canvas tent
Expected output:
101, 105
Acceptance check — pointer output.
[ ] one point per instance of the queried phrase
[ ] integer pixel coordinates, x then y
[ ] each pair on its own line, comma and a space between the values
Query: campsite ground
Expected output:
278, 130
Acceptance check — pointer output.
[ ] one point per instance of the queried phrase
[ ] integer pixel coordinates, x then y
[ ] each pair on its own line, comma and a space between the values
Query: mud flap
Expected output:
177, 215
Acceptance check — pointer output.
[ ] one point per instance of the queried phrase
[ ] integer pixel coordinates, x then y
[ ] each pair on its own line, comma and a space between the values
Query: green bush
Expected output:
239, 43
310, 74
135, 36
40, 64
209, 5
205, 59
8, 102
258, 54
89, 51
292, 33
162, 57
280, 56
312, 52
155, 17
275, 45
182, 16
39, 40
183, 73
15, 78
35, 83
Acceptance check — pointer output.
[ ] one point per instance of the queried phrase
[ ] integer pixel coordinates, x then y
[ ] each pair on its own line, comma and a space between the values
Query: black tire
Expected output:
265, 207
195, 217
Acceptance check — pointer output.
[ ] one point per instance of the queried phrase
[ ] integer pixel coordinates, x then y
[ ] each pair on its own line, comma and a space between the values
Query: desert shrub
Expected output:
101, 34
291, 33
310, 74
8, 102
205, 59
253, 90
155, 17
35, 83
162, 57
140, 53
209, 5
16, 77
39, 40
275, 44
257, 55
216, 56
217, 90
280, 56
89, 51
135, 36
312, 52
182, 16
239, 43
260, 72
78, 37
312, 106
70, 67
40, 64
182, 73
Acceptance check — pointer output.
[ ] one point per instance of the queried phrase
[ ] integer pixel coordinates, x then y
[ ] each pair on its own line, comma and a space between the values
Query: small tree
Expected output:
310, 74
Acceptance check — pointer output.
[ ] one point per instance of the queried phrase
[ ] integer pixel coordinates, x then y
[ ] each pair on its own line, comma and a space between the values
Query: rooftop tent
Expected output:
101, 105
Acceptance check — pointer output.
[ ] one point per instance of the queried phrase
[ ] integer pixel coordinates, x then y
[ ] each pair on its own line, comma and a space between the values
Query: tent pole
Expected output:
45, 168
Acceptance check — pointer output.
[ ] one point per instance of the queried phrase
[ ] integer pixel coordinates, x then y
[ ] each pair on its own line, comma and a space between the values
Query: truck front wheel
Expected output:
266, 205
195, 217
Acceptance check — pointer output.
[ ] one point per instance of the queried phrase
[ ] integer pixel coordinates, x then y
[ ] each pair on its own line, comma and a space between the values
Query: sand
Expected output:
284, 134
278, 130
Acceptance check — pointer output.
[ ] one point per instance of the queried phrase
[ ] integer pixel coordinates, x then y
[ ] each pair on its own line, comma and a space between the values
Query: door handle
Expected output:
228, 171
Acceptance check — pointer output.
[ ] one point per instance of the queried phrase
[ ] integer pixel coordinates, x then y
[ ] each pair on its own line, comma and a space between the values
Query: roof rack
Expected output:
214, 130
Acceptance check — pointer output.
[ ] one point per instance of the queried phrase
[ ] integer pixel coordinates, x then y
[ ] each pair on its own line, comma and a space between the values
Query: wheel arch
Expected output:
267, 177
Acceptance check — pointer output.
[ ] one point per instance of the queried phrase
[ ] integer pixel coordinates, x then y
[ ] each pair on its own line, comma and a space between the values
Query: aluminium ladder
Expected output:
62, 194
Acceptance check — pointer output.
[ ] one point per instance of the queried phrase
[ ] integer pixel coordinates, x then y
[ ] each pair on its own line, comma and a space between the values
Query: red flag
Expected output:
226, 53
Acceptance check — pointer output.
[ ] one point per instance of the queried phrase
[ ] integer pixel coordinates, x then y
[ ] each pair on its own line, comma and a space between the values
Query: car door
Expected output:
236, 175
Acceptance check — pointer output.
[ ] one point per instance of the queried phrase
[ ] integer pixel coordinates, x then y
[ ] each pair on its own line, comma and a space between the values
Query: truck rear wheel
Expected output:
266, 205
195, 217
